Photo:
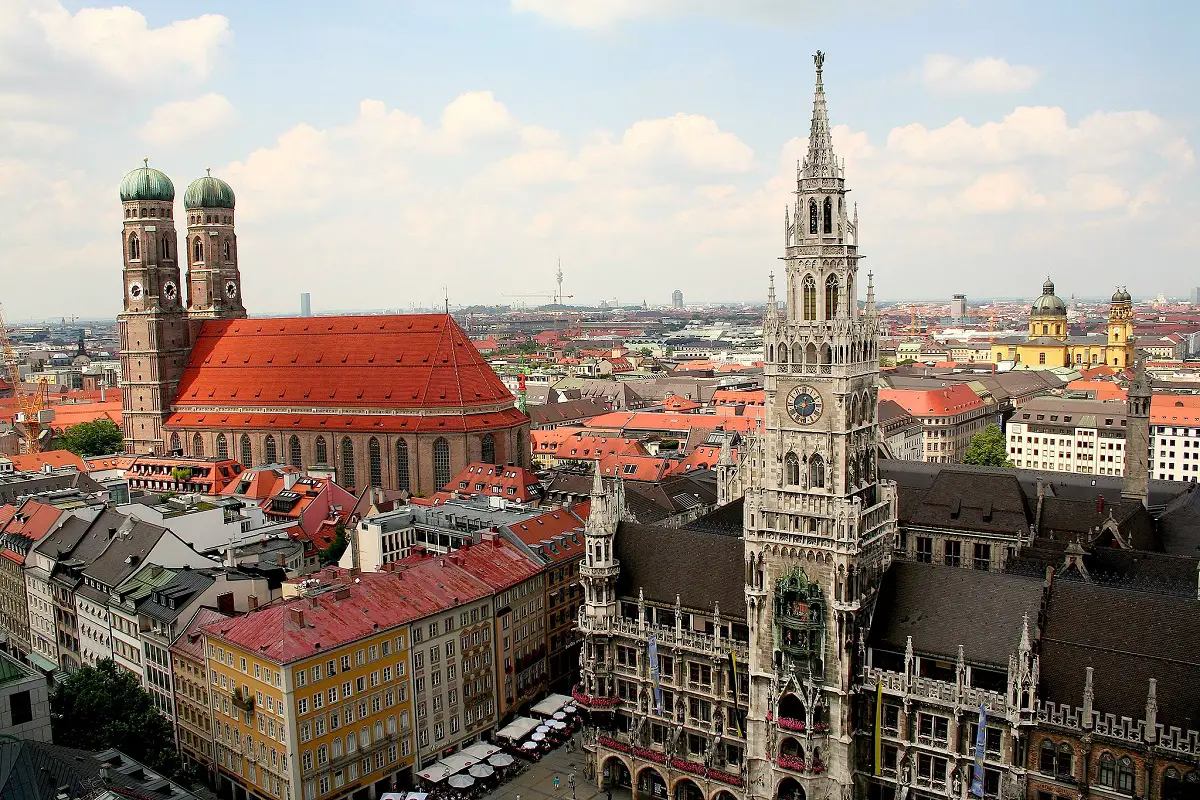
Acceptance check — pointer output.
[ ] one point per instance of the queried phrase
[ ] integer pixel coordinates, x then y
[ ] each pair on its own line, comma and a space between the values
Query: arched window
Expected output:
176, 445
812, 216
247, 455
294, 456
402, 480
376, 459
783, 354
197, 446
1125, 775
1108, 770
222, 446
1066, 757
135, 247
791, 469
831, 297
487, 449
198, 250
322, 451
347, 463
810, 353
1046, 757
816, 471
828, 215
228, 251
270, 453
810, 298
441, 463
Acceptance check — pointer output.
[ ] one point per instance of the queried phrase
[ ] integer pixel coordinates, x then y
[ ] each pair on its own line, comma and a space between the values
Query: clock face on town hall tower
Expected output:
804, 404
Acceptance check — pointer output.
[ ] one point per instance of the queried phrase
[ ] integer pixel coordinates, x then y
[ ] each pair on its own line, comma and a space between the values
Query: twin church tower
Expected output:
161, 314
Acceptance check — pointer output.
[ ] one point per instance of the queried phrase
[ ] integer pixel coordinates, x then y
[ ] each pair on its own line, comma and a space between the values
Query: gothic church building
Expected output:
396, 401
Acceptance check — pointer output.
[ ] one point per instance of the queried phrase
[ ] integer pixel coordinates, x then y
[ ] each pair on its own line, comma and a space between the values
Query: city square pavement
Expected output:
537, 782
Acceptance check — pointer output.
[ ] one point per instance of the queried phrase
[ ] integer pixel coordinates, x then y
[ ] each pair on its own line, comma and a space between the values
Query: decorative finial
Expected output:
146, 163
819, 60
208, 171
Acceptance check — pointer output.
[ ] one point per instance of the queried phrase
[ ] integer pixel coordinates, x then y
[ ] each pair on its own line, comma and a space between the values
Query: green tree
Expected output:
988, 449
646, 352
104, 706
333, 553
100, 437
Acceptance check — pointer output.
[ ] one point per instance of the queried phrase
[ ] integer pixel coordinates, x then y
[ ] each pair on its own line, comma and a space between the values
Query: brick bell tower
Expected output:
153, 327
213, 280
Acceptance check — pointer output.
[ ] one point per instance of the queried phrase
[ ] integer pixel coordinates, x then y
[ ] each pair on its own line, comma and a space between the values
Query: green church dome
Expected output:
146, 183
208, 192
1049, 304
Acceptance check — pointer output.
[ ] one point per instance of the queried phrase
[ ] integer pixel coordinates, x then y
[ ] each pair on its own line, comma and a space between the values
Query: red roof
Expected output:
33, 519
957, 398
415, 361
555, 527
496, 481
495, 562
1175, 409
407, 423
6, 513
653, 421
32, 462
576, 444
674, 402
190, 643
1103, 390
730, 397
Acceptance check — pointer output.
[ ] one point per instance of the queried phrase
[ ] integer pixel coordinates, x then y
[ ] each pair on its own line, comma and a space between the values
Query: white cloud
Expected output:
945, 73
181, 121
120, 42
601, 15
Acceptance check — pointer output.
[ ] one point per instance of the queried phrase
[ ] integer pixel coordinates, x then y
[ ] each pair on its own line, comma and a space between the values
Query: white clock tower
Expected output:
819, 523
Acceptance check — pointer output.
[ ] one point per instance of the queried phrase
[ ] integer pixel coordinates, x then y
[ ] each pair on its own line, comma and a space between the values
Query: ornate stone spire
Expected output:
870, 307
597, 482
820, 162
772, 307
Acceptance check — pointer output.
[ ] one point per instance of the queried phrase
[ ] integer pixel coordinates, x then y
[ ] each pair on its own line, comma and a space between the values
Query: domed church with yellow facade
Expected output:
1049, 344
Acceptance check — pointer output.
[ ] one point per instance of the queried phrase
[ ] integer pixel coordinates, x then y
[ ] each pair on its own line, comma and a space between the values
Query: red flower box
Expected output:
789, 724
650, 755
725, 777
613, 744
687, 766
821, 727
791, 762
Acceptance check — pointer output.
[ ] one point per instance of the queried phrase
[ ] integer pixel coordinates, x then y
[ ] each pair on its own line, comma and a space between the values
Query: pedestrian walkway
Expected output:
537, 782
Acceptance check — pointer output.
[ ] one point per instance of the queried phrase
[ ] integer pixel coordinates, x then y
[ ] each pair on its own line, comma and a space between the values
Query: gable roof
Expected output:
705, 567
409, 361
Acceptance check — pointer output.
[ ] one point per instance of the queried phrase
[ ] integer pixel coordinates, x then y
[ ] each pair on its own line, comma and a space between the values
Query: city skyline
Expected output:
658, 134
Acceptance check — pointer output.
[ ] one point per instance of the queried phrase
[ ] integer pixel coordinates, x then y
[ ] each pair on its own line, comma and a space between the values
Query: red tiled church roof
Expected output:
417, 361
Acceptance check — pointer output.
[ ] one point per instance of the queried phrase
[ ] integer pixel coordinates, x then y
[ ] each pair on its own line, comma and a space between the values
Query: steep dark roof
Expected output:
1065, 519
1179, 525
1127, 637
973, 501
729, 519
943, 607
701, 567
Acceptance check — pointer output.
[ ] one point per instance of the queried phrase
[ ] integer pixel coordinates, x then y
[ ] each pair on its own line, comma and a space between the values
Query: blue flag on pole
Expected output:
652, 651
980, 748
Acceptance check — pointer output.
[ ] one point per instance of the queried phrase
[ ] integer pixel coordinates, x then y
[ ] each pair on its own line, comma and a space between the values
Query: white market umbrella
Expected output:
560, 716
543, 728
537, 737
501, 760
481, 771
529, 746
570, 709
558, 726
461, 781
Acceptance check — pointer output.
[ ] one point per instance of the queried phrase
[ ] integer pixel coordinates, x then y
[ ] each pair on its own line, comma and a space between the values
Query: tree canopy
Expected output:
100, 437
988, 448
105, 706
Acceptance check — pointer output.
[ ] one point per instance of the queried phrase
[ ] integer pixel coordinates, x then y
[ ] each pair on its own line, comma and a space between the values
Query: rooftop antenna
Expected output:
446, 292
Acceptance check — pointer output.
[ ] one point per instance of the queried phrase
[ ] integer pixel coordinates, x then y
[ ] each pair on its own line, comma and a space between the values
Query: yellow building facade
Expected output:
1049, 343
324, 715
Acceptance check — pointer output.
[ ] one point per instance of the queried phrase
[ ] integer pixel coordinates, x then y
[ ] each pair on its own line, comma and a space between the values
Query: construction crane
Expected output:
32, 407
554, 298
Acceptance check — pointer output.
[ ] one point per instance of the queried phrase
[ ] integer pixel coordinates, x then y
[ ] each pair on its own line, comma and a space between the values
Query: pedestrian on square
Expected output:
555, 783
571, 782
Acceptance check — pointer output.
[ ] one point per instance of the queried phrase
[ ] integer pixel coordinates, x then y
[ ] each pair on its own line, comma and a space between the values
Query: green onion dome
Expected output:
146, 183
208, 192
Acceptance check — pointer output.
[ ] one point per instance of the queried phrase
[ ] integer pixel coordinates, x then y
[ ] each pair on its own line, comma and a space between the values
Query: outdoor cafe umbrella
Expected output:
529, 746
570, 709
558, 726
543, 728
461, 781
537, 737
501, 760
560, 716
481, 771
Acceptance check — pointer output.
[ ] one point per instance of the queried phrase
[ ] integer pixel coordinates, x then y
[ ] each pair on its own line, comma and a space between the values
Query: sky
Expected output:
384, 151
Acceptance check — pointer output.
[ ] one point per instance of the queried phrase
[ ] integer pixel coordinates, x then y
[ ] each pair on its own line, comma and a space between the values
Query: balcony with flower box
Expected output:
594, 702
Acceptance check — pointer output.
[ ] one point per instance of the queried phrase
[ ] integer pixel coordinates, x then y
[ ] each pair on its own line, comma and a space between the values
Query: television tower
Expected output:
559, 298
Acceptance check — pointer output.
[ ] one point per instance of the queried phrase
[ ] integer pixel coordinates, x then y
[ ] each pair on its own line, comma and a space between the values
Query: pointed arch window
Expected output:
831, 297
197, 250
322, 451
176, 445
135, 247
246, 453
1108, 770
197, 446
270, 452
783, 354
813, 216
228, 251
441, 462
816, 471
294, 451
402, 479
166, 246
1125, 775
791, 469
809, 295
487, 448
347, 463
222, 446
375, 457
828, 215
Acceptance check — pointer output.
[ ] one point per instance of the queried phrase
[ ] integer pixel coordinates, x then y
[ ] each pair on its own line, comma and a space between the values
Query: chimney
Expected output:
341, 593
101, 394
252, 602
297, 617
112, 532
290, 477
1100, 504
225, 603
106, 772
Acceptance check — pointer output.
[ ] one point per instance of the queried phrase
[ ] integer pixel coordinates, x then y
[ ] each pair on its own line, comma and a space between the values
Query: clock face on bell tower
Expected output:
804, 404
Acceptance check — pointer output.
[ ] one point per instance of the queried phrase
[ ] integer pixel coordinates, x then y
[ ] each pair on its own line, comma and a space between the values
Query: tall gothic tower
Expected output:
214, 282
153, 326
819, 524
